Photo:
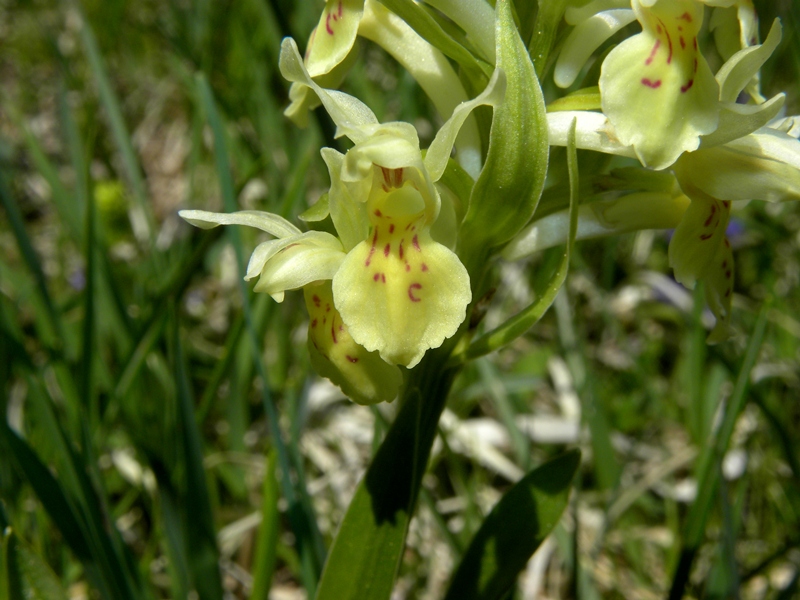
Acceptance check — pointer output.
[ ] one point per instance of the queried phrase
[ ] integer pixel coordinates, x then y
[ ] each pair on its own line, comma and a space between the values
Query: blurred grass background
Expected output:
161, 418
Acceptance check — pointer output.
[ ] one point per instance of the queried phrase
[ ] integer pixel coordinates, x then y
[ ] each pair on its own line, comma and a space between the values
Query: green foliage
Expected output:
513, 531
162, 432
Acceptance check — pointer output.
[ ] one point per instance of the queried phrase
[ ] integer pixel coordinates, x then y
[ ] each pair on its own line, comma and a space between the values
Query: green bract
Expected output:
508, 188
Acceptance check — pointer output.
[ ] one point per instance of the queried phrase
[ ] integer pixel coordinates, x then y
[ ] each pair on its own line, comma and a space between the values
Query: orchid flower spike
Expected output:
382, 291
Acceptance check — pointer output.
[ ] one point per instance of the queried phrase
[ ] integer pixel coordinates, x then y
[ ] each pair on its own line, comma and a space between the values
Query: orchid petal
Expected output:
740, 69
439, 150
299, 264
727, 173
587, 37
350, 114
334, 36
656, 87
363, 376
400, 292
266, 250
739, 120
698, 237
272, 224
349, 217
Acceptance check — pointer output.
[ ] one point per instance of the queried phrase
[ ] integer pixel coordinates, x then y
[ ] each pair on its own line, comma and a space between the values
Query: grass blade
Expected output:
25, 574
309, 540
264, 562
142, 220
708, 471
202, 551
48, 489
32, 260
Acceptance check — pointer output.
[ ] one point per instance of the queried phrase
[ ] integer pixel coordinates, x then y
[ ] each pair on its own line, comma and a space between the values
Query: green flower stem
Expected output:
366, 553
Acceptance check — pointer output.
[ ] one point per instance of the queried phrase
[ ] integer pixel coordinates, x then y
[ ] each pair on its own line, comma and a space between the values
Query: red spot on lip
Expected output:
683, 43
316, 300
415, 242
411, 288
352, 359
400, 250
391, 228
376, 277
694, 43
685, 17
651, 84
705, 237
653, 51
383, 277
711, 216
408, 267
727, 243
378, 213
333, 334
372, 248
328, 24
724, 264
340, 8
728, 274
386, 249
726, 203
424, 267
687, 87
314, 323
327, 308
694, 69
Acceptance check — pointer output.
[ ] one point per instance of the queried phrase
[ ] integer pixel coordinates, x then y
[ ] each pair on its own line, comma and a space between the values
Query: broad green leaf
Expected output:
23, 573
517, 525
508, 188
366, 553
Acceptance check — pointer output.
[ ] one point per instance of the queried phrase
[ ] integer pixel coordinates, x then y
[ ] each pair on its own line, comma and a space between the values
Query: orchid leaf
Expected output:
513, 531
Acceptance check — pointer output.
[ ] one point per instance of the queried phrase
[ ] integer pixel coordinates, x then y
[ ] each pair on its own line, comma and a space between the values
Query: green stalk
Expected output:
366, 553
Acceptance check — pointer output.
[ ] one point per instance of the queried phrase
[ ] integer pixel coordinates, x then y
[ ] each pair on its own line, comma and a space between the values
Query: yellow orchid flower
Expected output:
762, 165
656, 87
384, 291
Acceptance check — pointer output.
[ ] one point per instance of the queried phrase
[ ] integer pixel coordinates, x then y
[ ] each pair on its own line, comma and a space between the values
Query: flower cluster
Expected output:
662, 104
383, 290
389, 286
